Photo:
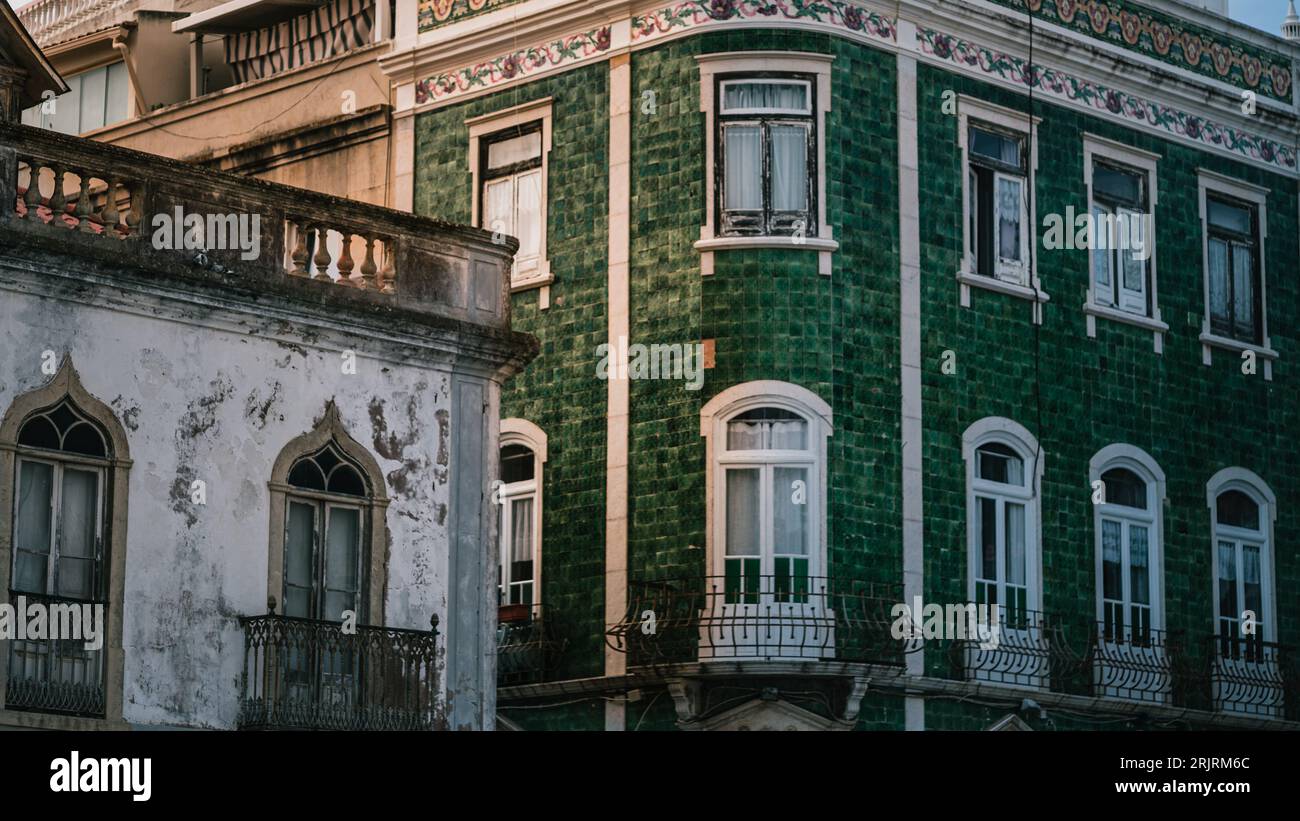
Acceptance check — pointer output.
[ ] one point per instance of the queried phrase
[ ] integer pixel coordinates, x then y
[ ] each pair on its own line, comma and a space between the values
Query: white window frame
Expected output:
713, 427
1137, 160
1006, 119
321, 504
1249, 483
1210, 182
990, 430
1141, 464
487, 125
755, 62
516, 431
59, 462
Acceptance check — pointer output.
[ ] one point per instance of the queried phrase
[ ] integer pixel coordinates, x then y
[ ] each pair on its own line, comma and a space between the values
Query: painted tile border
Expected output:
1131, 108
434, 14
694, 14
564, 51
1169, 40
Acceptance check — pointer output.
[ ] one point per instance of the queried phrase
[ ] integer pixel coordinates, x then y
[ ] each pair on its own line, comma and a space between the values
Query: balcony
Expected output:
143, 219
55, 21
530, 644
55, 675
1251, 677
306, 674
759, 618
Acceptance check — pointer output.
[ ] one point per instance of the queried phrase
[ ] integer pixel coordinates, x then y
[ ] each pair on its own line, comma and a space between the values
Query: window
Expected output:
327, 526
64, 546
999, 156
523, 455
509, 151
323, 538
998, 229
765, 184
1003, 519
1129, 534
1234, 223
94, 99
766, 144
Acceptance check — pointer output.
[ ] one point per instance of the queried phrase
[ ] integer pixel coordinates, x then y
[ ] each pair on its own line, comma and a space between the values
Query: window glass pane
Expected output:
499, 206
116, 98
743, 513
67, 108
986, 525
1009, 217
1116, 184
1243, 290
1237, 509
1015, 535
298, 540
1124, 487
305, 474
341, 562
345, 479
93, 87
1250, 581
77, 545
517, 464
789, 168
1229, 217
32, 529
999, 463
790, 517
767, 429
520, 549
994, 146
1218, 283
514, 150
767, 95
1103, 259
529, 216
1111, 559
39, 432
84, 439
1139, 565
1135, 267
1228, 580
743, 166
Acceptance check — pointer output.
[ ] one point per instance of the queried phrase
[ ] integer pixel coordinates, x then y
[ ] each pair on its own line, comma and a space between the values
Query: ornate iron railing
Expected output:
530, 643
775, 617
1253, 677
57, 675
310, 674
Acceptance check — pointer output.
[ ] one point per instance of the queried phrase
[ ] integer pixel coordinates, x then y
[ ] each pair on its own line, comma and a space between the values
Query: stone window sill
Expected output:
1154, 324
823, 246
543, 282
1264, 352
1035, 295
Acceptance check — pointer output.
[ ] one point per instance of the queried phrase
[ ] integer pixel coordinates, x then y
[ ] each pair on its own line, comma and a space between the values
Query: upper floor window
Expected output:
508, 161
1120, 264
519, 494
998, 178
94, 99
323, 536
1129, 533
1234, 223
1002, 506
1243, 514
766, 156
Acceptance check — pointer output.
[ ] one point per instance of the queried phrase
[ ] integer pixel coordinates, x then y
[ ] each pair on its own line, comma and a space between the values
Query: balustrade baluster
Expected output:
368, 267
299, 256
322, 258
345, 261
83, 204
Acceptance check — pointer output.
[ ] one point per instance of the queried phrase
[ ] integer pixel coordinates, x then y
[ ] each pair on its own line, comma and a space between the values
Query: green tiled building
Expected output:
946, 303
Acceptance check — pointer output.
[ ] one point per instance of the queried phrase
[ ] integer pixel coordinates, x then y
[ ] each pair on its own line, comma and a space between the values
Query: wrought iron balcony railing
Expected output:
309, 674
530, 644
57, 675
1253, 677
777, 617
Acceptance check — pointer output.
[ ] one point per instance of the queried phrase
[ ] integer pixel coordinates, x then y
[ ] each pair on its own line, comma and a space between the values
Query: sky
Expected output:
1262, 14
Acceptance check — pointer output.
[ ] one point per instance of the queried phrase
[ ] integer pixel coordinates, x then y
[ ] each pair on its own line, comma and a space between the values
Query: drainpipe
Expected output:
119, 43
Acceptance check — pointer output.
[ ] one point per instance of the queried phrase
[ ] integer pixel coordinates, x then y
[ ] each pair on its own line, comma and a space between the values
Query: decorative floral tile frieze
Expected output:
566, 50
1108, 100
436, 13
1170, 40
696, 13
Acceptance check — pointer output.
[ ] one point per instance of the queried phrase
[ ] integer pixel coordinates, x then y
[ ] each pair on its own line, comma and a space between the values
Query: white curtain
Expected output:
1218, 279
1009, 215
77, 547
1250, 580
743, 512
498, 206
529, 219
1243, 289
343, 537
1139, 565
789, 168
1111, 579
784, 96
1133, 230
744, 167
1101, 259
790, 517
1015, 536
32, 532
1228, 580
521, 534
514, 150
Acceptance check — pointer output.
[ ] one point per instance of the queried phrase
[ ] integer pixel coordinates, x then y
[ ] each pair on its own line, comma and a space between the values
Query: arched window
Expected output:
64, 545
1003, 465
522, 454
327, 527
1242, 512
1128, 523
767, 465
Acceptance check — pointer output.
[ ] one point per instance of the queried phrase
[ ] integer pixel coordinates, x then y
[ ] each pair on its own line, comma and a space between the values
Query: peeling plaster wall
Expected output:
202, 401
